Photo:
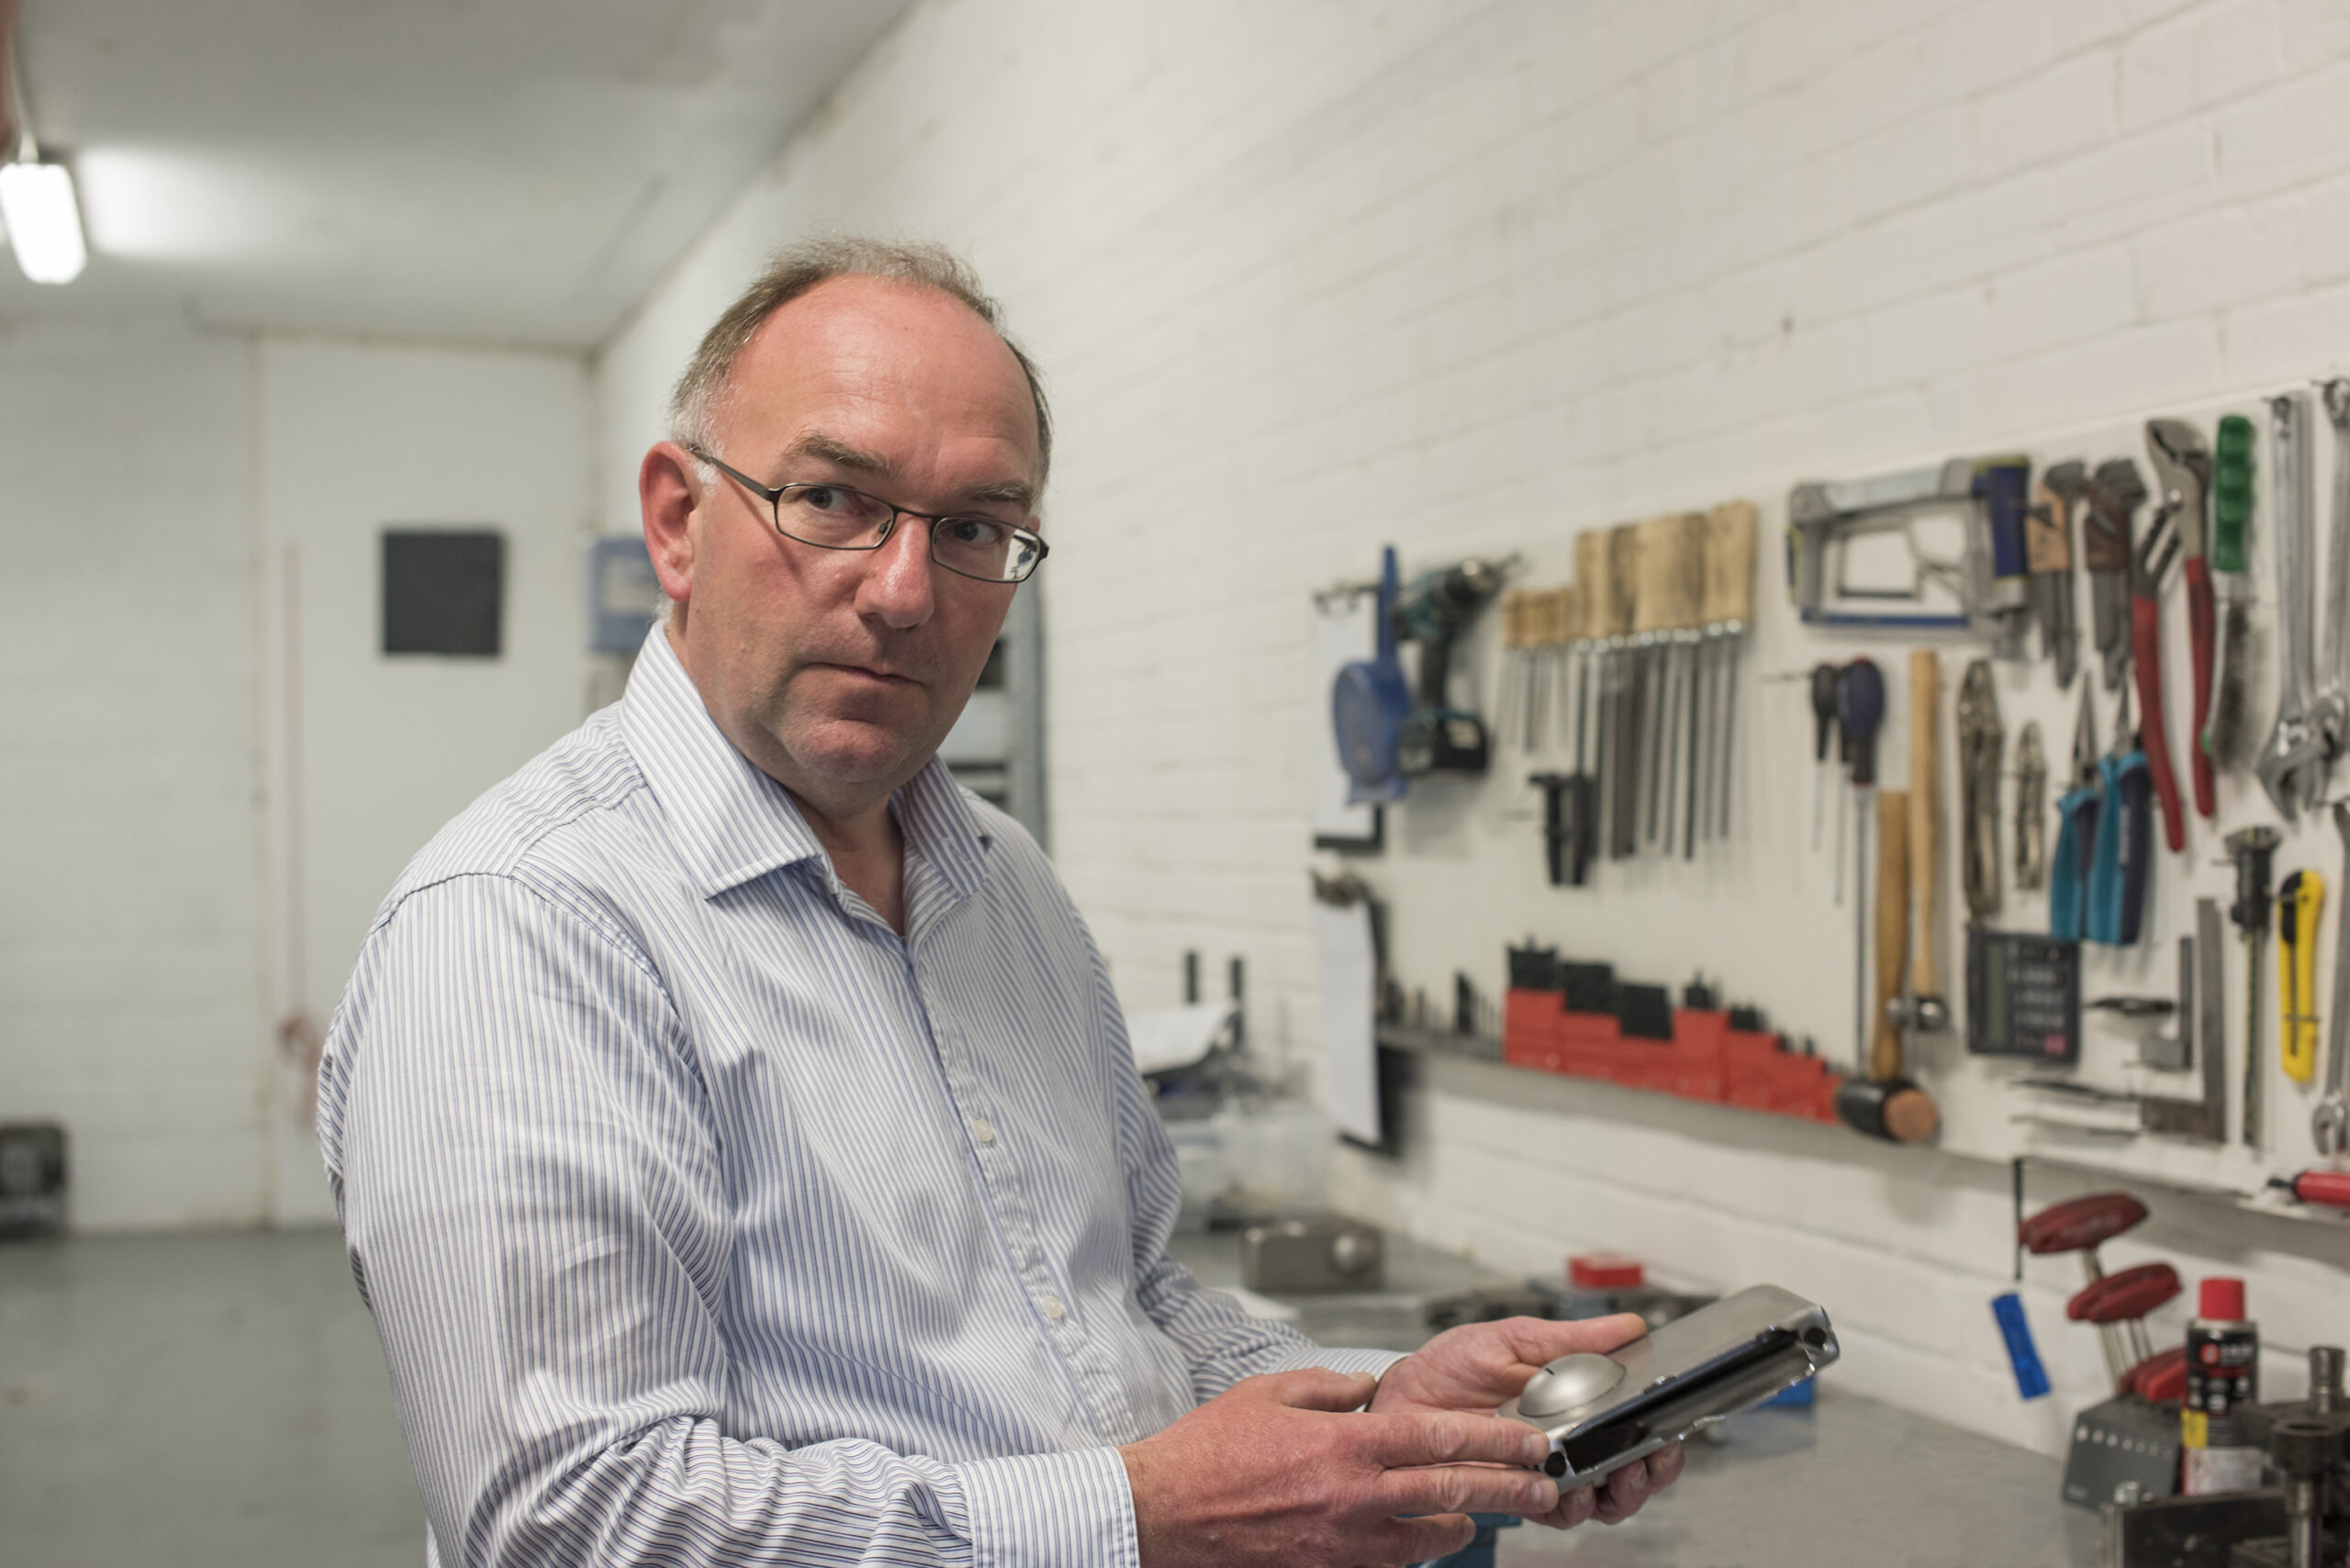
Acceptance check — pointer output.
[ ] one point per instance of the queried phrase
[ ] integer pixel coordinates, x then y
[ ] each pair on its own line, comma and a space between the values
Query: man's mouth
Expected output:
878, 677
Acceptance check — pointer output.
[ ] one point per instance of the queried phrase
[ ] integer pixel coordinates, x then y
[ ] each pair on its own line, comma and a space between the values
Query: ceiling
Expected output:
515, 171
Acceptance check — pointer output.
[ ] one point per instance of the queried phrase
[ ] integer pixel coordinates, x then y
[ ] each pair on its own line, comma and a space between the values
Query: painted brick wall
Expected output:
131, 930
151, 479
1308, 278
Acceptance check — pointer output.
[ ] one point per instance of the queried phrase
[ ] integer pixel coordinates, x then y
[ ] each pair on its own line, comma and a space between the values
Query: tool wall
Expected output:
2005, 778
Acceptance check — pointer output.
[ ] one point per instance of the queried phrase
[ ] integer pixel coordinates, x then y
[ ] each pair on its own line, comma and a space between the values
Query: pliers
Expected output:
2124, 838
2183, 467
2068, 878
2150, 561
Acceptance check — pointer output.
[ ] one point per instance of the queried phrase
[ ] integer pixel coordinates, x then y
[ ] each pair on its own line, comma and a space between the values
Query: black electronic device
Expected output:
1601, 1413
2024, 996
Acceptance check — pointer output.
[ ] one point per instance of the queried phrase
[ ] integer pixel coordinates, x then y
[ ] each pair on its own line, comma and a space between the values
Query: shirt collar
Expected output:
731, 824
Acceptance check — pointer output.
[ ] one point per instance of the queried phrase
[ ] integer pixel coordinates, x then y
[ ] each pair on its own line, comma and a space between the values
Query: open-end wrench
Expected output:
2330, 1119
2293, 765
2183, 472
2329, 703
2150, 561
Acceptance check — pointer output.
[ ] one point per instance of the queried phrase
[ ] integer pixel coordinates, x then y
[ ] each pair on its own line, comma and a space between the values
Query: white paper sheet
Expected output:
1170, 1037
1342, 939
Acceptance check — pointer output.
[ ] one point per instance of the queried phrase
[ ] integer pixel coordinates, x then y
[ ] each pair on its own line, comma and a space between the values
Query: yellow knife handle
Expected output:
2298, 910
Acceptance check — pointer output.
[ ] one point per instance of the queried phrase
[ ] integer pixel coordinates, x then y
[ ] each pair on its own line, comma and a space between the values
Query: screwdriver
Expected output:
2331, 1188
1823, 725
1860, 708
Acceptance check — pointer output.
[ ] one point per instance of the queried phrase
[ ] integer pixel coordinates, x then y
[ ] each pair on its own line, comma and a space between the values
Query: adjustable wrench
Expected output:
2183, 470
2330, 1120
2293, 765
2330, 704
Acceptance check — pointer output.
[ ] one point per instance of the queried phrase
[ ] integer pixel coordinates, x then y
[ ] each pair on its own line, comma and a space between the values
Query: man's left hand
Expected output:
1478, 1365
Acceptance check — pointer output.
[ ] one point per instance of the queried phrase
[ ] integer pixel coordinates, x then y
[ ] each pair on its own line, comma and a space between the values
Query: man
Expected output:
731, 1120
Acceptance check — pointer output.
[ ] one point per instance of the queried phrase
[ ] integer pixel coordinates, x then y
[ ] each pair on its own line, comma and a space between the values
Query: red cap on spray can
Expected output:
2221, 1300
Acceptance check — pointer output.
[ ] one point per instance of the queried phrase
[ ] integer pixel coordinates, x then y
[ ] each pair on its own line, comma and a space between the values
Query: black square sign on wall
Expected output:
442, 591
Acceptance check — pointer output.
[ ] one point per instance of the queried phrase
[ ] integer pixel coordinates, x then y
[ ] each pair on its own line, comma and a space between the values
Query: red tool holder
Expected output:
1706, 1059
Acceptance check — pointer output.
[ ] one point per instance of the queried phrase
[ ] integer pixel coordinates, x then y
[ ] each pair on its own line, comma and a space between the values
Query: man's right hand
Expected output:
1289, 1471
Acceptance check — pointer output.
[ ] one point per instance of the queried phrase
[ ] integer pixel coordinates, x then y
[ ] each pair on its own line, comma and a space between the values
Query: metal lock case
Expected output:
1602, 1412
1305, 1257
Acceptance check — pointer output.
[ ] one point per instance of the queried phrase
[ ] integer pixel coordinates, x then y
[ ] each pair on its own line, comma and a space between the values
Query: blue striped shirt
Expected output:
706, 1221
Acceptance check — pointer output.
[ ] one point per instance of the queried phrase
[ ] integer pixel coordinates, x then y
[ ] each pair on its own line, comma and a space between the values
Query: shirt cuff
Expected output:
1051, 1510
1375, 1362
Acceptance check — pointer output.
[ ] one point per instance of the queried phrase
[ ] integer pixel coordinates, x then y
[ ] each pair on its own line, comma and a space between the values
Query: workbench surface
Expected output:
1852, 1483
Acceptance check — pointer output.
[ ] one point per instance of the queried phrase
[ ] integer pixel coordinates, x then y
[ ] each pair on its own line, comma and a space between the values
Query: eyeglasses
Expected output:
833, 517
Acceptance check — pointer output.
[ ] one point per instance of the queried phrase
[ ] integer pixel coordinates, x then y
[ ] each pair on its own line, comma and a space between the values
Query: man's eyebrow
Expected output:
840, 454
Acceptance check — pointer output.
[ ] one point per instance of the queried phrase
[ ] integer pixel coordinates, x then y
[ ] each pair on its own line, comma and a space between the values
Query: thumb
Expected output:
1539, 1341
1314, 1388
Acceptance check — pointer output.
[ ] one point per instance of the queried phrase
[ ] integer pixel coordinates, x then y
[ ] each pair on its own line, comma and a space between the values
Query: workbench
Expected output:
1852, 1483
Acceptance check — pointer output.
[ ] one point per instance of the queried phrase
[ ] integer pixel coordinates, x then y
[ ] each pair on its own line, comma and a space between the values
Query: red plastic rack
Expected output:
1706, 1059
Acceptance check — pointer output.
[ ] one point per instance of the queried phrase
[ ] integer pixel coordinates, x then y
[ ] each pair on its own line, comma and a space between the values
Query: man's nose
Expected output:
898, 586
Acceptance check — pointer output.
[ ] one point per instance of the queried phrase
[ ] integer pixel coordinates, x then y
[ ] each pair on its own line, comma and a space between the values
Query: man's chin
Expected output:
853, 754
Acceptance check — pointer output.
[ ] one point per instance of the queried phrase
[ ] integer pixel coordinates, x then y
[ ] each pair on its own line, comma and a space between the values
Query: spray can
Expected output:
2222, 1374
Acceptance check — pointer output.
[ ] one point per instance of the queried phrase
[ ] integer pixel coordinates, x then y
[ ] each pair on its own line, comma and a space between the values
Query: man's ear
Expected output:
665, 493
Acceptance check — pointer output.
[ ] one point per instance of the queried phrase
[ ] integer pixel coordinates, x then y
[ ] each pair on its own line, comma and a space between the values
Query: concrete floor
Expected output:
212, 1399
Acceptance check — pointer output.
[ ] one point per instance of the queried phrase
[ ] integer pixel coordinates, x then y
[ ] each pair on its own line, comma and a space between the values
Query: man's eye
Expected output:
973, 529
824, 498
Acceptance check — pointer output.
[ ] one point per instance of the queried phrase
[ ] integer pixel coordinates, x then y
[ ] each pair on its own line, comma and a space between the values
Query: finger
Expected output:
1418, 1540
1313, 1388
1396, 1441
1574, 1507
1467, 1489
1540, 1339
1664, 1467
1622, 1496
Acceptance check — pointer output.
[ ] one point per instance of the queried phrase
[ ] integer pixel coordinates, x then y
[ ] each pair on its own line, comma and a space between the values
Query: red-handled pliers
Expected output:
2183, 469
2148, 562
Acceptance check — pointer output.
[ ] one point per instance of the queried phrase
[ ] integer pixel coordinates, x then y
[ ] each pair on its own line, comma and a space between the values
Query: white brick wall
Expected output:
150, 478
129, 933
1309, 278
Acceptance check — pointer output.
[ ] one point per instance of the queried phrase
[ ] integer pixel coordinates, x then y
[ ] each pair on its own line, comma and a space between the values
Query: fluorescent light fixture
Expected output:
44, 221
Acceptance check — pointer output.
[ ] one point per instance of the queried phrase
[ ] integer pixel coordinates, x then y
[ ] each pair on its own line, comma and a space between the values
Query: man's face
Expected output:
839, 672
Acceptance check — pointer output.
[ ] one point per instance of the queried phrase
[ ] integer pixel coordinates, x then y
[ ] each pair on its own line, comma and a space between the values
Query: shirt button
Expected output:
983, 1131
1050, 1304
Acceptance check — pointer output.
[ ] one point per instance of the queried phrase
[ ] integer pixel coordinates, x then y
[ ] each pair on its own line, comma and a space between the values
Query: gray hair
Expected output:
793, 273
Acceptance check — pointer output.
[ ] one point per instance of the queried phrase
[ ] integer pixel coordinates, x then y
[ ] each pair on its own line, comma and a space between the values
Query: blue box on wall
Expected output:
623, 595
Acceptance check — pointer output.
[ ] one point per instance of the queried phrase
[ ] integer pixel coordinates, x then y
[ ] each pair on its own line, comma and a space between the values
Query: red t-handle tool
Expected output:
2331, 1188
2078, 1225
2161, 1378
2124, 1298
